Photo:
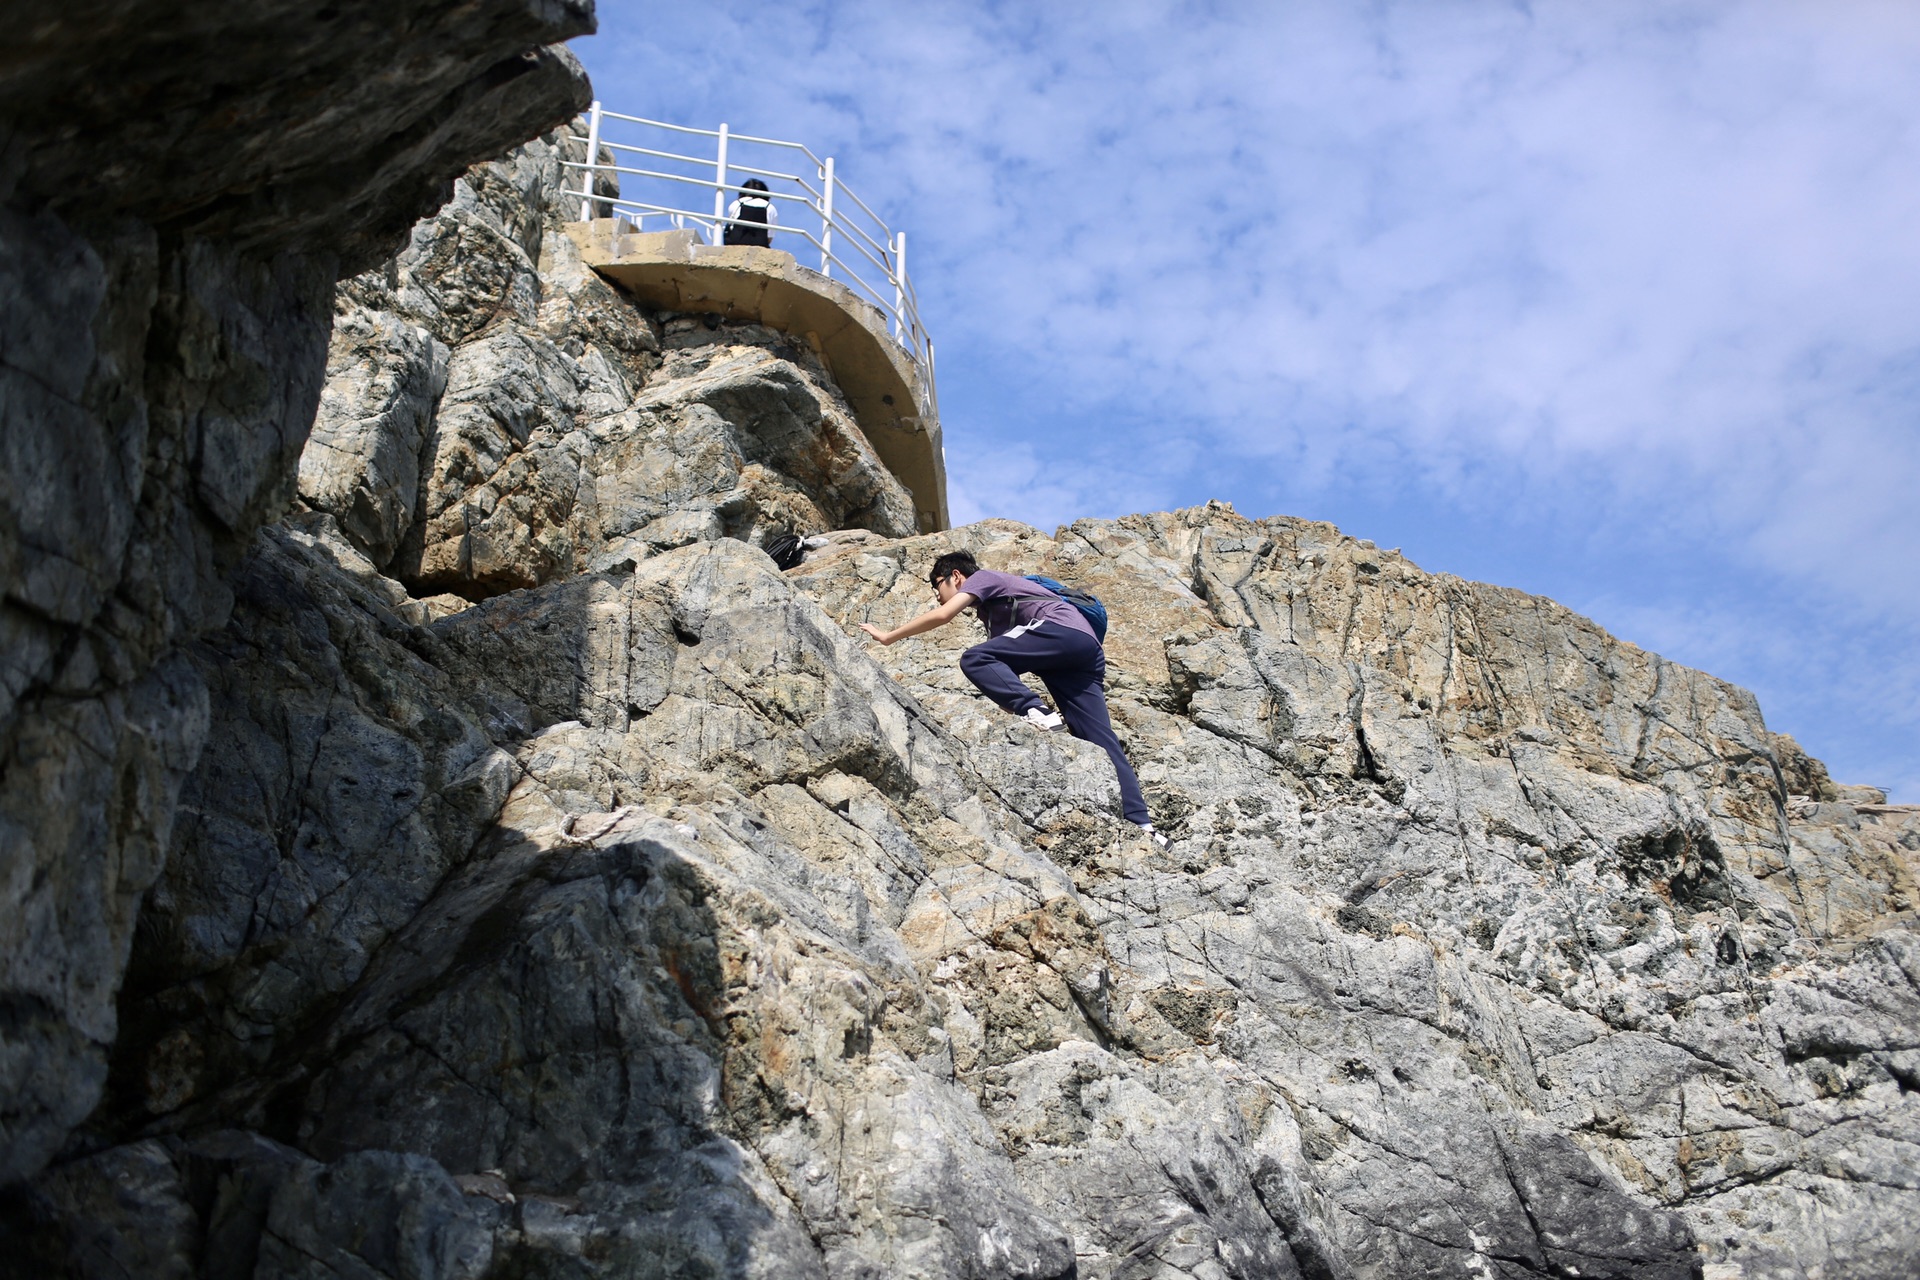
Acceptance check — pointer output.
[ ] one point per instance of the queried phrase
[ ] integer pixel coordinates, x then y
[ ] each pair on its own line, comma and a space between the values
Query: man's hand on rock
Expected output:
945, 612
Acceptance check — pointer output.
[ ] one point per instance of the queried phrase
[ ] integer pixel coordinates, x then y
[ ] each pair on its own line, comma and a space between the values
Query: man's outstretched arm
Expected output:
935, 617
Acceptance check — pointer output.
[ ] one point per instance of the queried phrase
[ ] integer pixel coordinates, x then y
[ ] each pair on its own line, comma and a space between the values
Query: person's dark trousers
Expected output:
1072, 666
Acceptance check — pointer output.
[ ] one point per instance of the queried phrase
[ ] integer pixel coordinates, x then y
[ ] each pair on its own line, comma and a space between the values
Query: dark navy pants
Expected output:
1072, 665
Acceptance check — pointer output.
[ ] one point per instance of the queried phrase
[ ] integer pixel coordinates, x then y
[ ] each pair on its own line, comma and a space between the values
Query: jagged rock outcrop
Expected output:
180, 187
565, 891
497, 416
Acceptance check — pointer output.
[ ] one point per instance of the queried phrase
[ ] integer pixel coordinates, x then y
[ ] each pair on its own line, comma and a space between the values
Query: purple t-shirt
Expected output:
1008, 600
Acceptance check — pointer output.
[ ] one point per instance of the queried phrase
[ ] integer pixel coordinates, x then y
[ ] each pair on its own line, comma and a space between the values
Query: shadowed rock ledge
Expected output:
563, 891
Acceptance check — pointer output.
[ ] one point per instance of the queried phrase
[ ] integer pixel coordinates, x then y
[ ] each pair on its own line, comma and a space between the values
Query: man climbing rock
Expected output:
1029, 628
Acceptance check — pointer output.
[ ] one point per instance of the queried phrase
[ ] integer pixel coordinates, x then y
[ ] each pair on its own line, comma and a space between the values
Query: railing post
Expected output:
826, 218
720, 190
593, 158
900, 286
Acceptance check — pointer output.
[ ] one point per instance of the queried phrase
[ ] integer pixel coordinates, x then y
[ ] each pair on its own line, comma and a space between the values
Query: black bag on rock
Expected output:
786, 550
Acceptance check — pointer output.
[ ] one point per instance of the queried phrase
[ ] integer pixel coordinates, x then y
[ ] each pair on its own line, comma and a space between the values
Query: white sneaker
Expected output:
1153, 835
1044, 719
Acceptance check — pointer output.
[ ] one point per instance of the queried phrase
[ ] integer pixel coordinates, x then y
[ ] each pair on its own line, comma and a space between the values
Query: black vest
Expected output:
753, 209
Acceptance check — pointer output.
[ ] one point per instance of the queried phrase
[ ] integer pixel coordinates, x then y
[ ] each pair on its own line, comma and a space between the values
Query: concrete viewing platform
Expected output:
677, 271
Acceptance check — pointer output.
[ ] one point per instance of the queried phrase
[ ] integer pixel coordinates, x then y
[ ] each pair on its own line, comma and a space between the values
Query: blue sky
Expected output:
1617, 303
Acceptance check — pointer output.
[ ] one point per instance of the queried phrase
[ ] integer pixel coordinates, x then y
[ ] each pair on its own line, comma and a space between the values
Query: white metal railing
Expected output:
856, 246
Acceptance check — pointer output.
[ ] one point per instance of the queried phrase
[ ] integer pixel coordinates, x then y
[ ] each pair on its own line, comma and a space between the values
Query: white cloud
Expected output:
1643, 270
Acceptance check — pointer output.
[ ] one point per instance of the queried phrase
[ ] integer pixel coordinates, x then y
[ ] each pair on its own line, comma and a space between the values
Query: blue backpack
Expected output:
1089, 606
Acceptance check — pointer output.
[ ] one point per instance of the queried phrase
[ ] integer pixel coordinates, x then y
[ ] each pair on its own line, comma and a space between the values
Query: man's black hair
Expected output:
961, 562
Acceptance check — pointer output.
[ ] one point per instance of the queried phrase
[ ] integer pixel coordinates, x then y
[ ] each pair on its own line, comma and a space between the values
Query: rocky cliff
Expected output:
564, 891
180, 187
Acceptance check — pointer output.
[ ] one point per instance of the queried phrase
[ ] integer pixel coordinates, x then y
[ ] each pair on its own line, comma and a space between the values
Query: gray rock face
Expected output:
182, 188
1460, 877
234, 1204
281, 125
362, 460
687, 934
563, 891
347, 918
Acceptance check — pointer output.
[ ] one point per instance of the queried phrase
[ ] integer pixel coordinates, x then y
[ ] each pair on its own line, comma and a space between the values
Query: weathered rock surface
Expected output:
1460, 877
686, 932
182, 185
563, 891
